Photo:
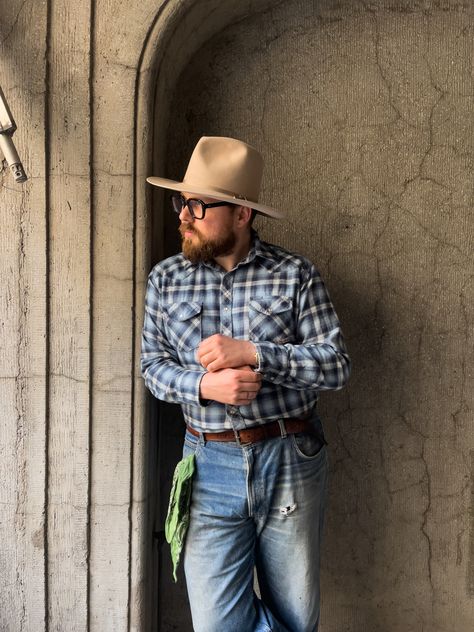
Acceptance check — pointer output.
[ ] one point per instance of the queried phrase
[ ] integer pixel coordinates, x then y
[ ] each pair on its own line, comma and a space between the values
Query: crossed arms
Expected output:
317, 360
229, 378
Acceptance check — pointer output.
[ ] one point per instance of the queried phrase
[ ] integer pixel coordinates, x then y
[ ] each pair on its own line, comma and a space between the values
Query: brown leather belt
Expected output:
257, 433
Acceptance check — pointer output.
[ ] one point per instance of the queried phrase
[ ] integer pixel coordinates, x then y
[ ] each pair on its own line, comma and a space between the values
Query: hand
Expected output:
222, 352
231, 386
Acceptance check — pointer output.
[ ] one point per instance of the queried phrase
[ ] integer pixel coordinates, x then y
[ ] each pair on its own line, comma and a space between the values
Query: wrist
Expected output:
257, 357
257, 361
203, 392
252, 355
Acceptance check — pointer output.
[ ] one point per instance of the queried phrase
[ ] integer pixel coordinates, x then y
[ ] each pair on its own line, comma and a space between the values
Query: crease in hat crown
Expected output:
226, 168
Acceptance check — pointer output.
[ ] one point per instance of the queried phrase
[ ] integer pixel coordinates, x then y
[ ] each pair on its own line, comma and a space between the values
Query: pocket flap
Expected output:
184, 311
271, 304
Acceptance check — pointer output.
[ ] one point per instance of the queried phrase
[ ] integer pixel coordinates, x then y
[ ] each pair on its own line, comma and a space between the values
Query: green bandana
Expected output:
177, 520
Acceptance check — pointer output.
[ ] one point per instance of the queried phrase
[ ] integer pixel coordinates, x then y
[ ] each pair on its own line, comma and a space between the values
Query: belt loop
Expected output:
202, 439
237, 437
283, 432
239, 441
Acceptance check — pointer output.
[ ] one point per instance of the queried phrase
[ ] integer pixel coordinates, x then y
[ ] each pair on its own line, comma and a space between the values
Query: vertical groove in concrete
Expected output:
133, 356
47, 170
91, 295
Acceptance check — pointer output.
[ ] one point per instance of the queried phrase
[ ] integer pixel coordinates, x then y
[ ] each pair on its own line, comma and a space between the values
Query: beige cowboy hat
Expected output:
226, 169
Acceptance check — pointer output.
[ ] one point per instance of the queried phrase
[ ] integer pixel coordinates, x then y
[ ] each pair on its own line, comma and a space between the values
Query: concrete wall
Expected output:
365, 113
387, 165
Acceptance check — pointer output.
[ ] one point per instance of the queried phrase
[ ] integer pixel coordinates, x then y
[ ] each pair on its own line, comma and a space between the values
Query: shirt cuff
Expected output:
270, 358
202, 402
189, 386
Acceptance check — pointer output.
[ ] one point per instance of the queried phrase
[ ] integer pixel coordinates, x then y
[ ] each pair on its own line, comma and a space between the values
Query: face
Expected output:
208, 238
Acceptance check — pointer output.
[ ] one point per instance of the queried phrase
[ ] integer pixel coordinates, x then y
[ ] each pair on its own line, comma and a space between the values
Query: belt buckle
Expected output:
238, 440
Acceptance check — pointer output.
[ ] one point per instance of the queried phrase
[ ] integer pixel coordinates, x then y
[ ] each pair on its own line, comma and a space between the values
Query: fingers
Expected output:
231, 386
223, 363
201, 356
214, 365
244, 401
245, 387
250, 384
245, 375
249, 390
210, 344
244, 398
205, 359
210, 352
222, 352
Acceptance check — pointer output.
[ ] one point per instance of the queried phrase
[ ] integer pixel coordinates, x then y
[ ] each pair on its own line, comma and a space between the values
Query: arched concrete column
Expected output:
176, 32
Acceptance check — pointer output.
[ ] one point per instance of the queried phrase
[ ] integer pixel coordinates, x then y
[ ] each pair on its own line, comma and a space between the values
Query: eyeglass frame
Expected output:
204, 206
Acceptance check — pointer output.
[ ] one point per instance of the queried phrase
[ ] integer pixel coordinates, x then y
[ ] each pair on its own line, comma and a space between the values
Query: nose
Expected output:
185, 215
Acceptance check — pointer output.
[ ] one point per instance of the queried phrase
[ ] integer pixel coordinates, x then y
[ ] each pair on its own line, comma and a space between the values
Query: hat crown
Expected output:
223, 168
226, 165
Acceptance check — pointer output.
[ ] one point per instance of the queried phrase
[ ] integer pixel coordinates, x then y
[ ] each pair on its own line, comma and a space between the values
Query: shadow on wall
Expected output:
364, 113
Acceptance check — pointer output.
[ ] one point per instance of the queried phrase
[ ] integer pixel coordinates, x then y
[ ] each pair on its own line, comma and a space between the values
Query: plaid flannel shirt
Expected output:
273, 298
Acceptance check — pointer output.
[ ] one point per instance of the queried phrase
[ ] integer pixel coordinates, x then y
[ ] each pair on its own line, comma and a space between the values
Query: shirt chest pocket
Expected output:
183, 325
271, 319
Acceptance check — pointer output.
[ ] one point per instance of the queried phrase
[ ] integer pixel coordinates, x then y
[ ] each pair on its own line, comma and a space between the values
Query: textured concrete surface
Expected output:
365, 113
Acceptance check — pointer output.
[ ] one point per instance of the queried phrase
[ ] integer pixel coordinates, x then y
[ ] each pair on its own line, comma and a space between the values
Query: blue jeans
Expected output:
256, 507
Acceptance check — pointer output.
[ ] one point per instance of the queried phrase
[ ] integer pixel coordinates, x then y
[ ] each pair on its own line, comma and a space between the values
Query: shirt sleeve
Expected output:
163, 374
319, 360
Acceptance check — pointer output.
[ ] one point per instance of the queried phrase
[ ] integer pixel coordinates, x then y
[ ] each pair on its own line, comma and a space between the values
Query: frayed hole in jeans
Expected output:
289, 509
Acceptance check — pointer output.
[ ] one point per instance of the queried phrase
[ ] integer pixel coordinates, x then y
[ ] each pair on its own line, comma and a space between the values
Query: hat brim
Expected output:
186, 187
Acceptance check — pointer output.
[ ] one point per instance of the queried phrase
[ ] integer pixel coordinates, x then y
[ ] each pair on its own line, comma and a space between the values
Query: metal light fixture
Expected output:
7, 129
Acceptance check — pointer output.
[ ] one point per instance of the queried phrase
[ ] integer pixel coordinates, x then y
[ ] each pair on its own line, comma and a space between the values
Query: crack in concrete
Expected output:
15, 21
116, 62
398, 490
429, 233
430, 136
114, 277
425, 533
382, 73
467, 334
69, 377
459, 555
421, 176
83, 508
266, 140
383, 468
379, 235
112, 175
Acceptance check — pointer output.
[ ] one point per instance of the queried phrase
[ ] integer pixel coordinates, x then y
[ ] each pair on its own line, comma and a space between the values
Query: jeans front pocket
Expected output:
183, 325
307, 444
271, 319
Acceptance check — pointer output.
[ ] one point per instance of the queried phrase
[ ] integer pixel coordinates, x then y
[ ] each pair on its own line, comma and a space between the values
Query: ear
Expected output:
243, 216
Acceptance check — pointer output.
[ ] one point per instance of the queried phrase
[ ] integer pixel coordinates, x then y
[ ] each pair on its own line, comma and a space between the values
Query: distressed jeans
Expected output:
256, 507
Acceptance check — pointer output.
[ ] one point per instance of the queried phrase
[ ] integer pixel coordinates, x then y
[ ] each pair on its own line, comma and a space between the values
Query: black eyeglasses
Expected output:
197, 208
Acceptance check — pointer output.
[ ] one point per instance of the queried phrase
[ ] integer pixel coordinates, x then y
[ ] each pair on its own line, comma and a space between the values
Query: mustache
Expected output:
187, 228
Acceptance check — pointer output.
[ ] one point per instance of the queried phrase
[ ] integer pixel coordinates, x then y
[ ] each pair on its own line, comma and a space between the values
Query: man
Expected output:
243, 335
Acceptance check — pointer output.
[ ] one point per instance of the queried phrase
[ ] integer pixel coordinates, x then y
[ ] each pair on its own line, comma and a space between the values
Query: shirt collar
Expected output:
263, 252
258, 251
